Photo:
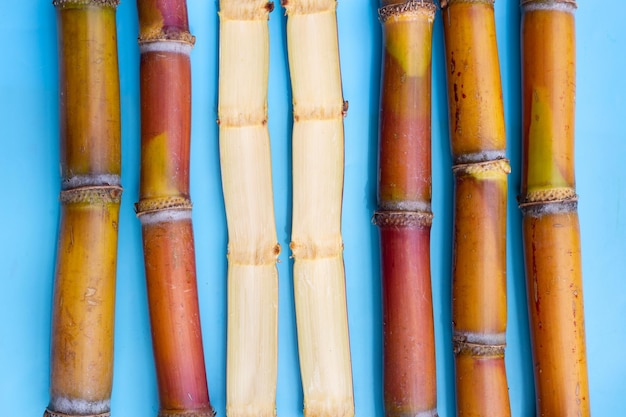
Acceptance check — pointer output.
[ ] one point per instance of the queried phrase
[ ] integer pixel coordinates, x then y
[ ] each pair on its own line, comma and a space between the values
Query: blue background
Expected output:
29, 208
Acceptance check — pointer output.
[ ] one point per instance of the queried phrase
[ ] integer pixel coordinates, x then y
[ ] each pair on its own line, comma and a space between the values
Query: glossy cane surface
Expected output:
549, 205
478, 143
404, 214
81, 368
164, 208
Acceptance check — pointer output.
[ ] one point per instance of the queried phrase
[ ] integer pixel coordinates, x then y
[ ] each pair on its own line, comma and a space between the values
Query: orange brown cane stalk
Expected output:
252, 356
478, 142
404, 215
164, 208
84, 290
549, 206
316, 242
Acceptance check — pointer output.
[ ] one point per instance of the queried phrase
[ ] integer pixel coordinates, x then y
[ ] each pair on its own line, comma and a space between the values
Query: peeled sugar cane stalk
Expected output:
252, 356
81, 364
164, 208
478, 142
316, 243
404, 215
550, 209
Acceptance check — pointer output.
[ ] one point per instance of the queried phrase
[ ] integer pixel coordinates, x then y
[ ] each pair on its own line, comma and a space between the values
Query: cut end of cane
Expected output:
446, 3
337, 408
559, 5
391, 10
205, 412
252, 410
293, 7
412, 413
49, 413
245, 10
77, 407
66, 4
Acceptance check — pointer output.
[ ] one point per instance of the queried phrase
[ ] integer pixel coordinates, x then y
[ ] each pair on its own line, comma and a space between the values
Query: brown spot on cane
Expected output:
269, 6
71, 239
457, 110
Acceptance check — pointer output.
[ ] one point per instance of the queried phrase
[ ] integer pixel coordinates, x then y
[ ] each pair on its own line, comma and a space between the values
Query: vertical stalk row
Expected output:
164, 207
404, 215
252, 357
317, 246
549, 206
81, 368
478, 142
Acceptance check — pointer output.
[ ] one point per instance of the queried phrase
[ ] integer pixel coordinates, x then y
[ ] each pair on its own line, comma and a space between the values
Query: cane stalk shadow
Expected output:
371, 202
443, 208
281, 128
519, 353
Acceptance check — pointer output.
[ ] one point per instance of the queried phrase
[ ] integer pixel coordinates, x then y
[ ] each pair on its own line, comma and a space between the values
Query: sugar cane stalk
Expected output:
84, 290
478, 142
404, 215
549, 206
164, 208
316, 243
252, 360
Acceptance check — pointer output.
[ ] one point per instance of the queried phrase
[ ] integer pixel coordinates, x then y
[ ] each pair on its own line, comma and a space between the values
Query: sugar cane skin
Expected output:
164, 208
549, 206
477, 136
404, 215
84, 289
